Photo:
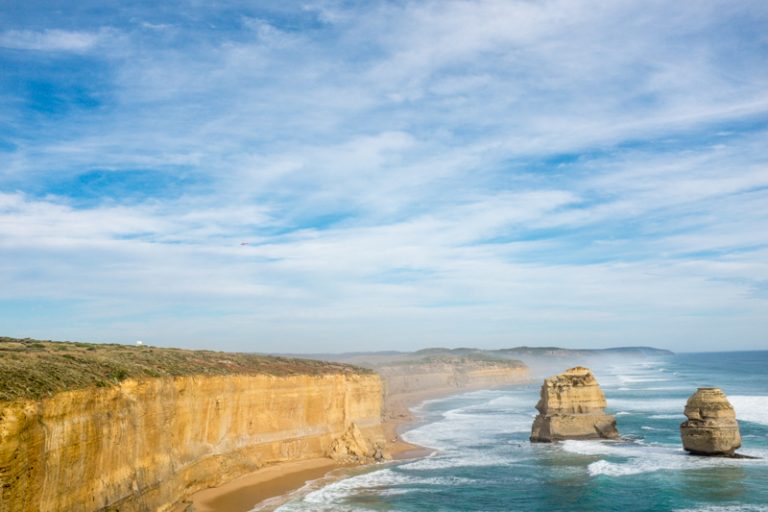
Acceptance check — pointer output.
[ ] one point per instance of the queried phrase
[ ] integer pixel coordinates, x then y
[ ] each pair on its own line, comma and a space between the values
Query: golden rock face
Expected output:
711, 427
143, 445
354, 447
572, 406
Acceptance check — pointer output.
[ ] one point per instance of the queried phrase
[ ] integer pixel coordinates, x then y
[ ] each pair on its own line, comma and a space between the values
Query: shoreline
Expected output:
266, 486
248, 491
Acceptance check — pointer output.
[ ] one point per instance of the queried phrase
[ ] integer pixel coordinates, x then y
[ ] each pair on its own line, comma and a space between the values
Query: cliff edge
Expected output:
98, 427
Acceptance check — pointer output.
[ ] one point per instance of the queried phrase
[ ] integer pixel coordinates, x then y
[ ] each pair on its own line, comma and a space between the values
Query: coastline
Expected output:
282, 479
266, 486
247, 491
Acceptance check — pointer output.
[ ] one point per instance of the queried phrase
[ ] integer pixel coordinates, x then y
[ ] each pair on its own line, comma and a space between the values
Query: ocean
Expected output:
484, 461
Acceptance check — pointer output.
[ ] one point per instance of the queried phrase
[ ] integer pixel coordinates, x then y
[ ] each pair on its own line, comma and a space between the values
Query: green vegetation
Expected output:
36, 369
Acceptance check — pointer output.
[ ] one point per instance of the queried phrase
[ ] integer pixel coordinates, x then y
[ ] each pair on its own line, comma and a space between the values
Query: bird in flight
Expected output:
245, 243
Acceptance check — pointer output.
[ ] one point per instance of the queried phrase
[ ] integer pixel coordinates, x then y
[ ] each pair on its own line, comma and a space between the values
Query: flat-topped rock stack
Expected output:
711, 427
572, 406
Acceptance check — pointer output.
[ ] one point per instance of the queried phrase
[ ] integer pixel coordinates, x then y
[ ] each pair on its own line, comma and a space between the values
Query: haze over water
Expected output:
484, 460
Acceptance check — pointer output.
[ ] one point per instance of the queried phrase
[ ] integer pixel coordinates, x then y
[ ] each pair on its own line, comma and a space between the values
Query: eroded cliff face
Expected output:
143, 445
440, 376
406, 384
572, 406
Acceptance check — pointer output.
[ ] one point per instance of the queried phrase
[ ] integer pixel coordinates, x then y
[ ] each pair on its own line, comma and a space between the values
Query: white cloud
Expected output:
51, 40
390, 168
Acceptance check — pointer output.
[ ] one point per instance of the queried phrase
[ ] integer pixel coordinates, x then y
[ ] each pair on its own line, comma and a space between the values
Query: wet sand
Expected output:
242, 494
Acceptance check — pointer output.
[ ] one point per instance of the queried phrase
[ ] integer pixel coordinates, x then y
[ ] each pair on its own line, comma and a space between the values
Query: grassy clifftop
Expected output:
36, 369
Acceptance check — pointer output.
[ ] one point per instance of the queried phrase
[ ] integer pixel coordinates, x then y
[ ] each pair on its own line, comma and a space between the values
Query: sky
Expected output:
403, 174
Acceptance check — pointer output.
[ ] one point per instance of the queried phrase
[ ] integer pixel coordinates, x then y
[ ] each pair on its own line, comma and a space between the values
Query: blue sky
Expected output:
406, 173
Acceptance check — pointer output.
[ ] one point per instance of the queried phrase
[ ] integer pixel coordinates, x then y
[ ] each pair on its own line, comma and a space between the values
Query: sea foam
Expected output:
750, 408
383, 482
660, 405
499, 412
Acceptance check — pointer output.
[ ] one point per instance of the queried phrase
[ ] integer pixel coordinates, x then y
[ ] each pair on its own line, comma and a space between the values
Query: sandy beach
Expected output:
242, 494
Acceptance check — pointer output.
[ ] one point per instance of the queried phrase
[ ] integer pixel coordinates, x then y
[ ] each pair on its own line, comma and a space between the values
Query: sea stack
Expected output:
572, 406
711, 427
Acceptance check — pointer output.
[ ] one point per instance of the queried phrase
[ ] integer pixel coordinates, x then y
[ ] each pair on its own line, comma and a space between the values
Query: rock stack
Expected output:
572, 406
711, 428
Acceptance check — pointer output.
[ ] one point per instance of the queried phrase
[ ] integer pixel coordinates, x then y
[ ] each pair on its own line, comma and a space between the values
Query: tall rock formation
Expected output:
572, 406
711, 427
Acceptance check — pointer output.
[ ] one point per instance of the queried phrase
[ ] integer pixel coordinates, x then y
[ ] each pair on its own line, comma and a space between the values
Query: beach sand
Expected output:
246, 492
242, 494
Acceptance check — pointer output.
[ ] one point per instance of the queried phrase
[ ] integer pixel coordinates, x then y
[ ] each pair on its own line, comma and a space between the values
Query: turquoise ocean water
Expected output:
484, 461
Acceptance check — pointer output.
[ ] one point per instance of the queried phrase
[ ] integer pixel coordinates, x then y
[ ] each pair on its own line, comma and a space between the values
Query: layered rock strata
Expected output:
143, 445
447, 376
409, 383
711, 427
572, 406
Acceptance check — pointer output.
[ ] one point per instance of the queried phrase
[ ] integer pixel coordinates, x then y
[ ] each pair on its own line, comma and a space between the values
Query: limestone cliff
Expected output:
409, 382
143, 444
572, 406
426, 376
711, 427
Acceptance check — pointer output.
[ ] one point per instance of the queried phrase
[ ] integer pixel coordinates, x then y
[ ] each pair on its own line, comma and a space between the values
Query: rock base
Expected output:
560, 428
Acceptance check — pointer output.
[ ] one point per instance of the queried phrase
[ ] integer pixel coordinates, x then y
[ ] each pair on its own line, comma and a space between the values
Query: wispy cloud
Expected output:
404, 173
49, 40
